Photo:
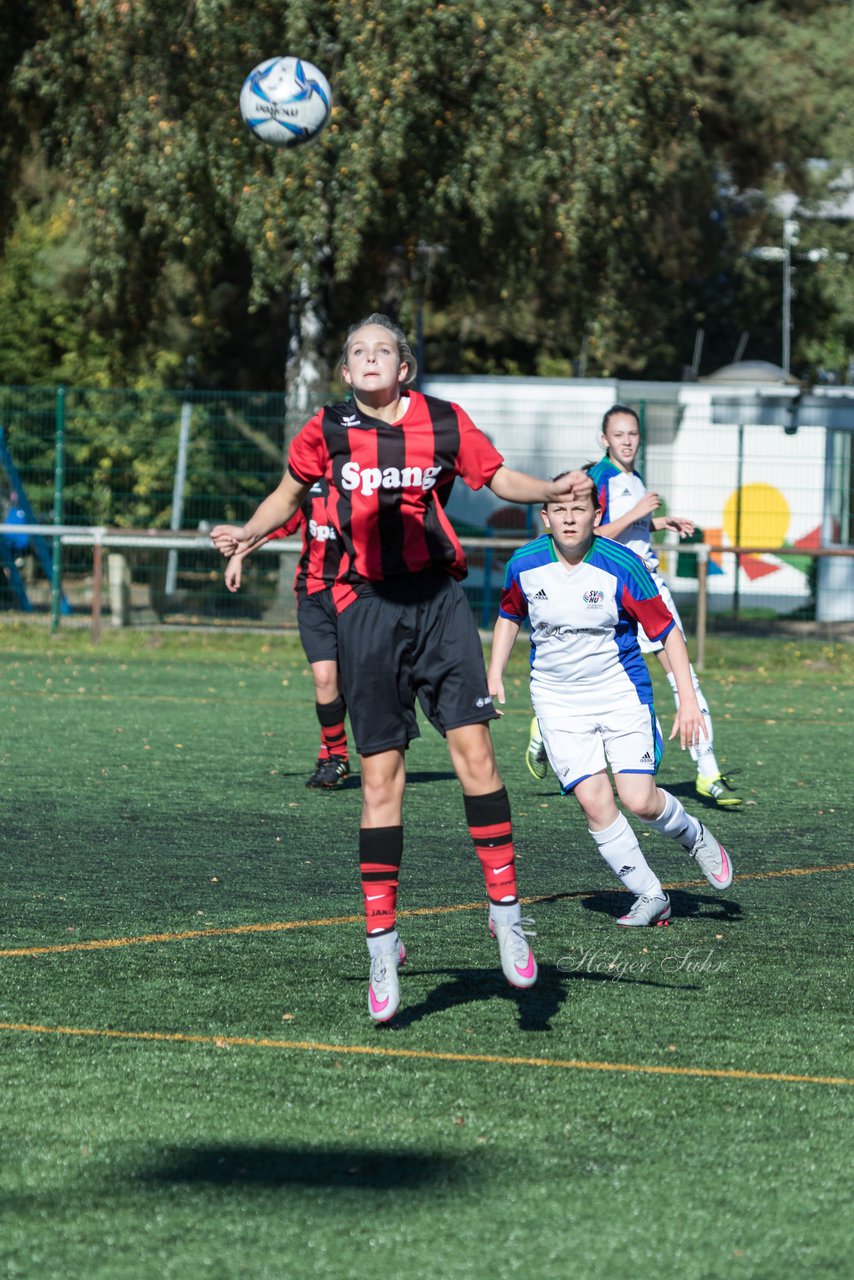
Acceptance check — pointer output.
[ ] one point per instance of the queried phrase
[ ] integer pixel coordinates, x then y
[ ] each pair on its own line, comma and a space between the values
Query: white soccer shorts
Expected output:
578, 746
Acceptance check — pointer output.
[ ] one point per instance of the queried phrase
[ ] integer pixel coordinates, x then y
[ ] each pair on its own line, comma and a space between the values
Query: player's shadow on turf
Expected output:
351, 783
684, 906
581, 974
425, 775
536, 1006
281, 1166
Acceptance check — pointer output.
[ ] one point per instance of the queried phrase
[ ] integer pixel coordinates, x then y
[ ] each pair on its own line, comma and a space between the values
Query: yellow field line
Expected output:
431, 1055
282, 926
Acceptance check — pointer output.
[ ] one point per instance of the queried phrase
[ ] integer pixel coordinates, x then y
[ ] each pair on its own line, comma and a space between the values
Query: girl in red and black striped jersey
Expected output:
405, 628
317, 619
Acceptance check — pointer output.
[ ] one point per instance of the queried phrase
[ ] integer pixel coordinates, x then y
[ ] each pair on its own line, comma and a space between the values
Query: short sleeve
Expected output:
308, 455
514, 602
649, 610
478, 459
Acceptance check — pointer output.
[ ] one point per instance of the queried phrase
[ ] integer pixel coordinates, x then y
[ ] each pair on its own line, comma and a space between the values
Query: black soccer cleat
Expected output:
329, 773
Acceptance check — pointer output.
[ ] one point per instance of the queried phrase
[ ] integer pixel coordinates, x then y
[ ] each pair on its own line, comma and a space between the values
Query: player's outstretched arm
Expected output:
688, 723
234, 568
503, 638
676, 524
274, 511
518, 486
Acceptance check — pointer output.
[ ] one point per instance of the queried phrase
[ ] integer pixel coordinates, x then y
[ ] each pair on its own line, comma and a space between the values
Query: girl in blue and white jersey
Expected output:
585, 598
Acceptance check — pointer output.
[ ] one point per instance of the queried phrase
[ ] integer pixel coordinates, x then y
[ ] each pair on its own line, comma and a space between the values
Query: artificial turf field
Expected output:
191, 1084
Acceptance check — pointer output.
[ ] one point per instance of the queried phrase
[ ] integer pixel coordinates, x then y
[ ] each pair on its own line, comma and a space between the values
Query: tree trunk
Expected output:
306, 389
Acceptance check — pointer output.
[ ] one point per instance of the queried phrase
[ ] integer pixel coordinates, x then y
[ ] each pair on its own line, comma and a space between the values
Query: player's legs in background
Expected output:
536, 760
380, 852
710, 781
488, 816
317, 619
333, 760
618, 845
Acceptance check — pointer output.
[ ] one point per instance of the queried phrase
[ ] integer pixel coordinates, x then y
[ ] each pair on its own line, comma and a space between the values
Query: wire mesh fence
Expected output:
772, 504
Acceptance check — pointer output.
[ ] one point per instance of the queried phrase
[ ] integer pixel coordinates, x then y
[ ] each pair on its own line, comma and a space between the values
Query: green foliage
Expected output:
121, 450
44, 337
543, 177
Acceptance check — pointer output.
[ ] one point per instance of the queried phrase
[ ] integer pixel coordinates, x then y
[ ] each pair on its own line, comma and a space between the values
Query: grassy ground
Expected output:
192, 1086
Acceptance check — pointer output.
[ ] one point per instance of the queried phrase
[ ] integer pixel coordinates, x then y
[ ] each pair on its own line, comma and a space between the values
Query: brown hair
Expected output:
404, 351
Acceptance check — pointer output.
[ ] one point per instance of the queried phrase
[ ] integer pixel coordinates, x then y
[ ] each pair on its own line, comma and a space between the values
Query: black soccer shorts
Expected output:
317, 620
402, 641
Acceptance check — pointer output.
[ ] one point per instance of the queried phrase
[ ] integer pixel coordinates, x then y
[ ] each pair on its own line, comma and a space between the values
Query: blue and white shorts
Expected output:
629, 741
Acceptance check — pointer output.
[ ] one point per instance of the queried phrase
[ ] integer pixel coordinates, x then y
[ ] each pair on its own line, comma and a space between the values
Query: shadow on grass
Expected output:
354, 782
426, 775
280, 1166
351, 783
685, 906
536, 1006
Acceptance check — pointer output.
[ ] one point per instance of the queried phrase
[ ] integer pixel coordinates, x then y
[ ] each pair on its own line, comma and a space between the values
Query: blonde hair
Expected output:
404, 351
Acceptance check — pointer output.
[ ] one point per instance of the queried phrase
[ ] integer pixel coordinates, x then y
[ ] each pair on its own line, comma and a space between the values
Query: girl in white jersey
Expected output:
628, 516
585, 598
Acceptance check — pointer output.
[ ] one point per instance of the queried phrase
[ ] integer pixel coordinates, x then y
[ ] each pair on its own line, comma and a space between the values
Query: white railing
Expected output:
100, 537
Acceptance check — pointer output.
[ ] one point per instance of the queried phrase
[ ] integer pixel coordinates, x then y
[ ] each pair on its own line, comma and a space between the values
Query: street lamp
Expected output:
777, 253
428, 254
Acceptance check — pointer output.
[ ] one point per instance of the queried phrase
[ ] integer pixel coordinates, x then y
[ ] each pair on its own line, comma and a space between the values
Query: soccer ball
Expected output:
286, 101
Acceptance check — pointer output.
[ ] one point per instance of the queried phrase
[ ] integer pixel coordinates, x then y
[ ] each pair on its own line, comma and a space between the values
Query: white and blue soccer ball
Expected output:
286, 101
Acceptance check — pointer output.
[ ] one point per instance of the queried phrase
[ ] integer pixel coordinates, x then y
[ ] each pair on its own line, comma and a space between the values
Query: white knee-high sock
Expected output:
675, 821
703, 753
619, 847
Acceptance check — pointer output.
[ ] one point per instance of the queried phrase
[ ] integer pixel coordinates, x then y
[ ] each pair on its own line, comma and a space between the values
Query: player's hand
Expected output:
234, 573
227, 538
571, 487
688, 724
495, 684
678, 524
649, 502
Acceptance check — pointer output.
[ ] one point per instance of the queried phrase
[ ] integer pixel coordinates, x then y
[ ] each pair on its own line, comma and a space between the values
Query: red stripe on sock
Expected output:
496, 831
334, 740
380, 895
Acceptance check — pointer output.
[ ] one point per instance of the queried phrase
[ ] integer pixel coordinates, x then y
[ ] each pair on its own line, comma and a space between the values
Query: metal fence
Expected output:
135, 479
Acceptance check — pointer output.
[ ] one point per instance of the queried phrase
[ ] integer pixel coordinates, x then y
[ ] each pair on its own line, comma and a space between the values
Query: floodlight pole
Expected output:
775, 253
790, 232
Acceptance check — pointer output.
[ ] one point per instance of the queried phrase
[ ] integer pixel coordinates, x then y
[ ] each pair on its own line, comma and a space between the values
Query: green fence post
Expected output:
640, 461
58, 496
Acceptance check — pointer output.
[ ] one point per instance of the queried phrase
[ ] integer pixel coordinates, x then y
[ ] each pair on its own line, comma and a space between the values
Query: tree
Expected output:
561, 168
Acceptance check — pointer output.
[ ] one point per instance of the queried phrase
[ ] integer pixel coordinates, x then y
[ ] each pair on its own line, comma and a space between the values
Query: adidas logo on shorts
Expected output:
646, 758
